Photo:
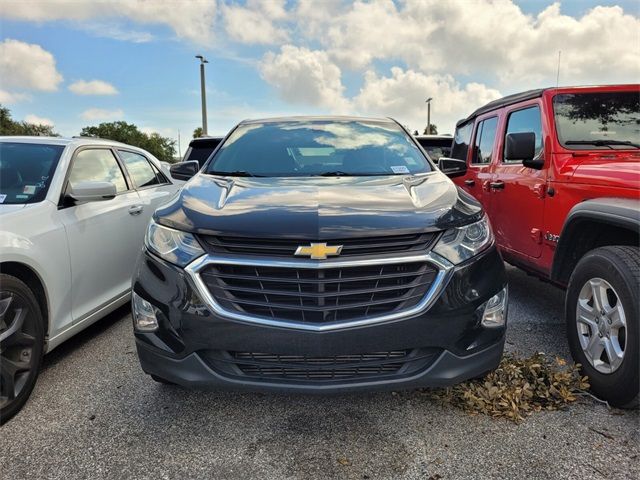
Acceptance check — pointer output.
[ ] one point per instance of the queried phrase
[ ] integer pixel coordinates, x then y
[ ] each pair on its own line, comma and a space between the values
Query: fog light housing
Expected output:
144, 314
495, 310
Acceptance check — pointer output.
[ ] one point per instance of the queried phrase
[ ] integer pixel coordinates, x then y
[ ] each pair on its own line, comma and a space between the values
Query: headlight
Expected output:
461, 243
172, 245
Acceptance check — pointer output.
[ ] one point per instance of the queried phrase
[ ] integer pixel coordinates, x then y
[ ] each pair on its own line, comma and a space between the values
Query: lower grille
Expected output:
319, 295
295, 368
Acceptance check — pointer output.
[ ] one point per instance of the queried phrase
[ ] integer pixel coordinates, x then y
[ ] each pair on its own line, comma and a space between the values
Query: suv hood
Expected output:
318, 208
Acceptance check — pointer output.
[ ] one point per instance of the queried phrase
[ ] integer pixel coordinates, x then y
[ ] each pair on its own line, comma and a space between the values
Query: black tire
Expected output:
161, 380
21, 344
620, 267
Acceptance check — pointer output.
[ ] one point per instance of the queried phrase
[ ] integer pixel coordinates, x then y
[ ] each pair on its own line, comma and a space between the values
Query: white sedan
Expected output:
73, 214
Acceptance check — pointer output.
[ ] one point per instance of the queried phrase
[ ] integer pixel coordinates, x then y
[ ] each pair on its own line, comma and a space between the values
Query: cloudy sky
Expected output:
77, 63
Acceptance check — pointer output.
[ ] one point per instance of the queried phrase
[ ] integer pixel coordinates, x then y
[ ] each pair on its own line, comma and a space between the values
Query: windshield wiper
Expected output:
335, 173
602, 143
236, 173
339, 173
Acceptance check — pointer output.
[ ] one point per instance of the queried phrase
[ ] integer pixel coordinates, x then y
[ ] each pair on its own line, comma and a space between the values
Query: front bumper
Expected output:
192, 344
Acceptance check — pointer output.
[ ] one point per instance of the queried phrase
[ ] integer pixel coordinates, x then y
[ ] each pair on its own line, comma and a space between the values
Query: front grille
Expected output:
318, 369
318, 295
350, 246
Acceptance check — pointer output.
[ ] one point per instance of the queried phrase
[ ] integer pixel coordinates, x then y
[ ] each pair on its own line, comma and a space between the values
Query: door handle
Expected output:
136, 210
499, 185
470, 182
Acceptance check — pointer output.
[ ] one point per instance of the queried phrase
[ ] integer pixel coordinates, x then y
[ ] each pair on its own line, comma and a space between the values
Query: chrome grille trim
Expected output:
443, 266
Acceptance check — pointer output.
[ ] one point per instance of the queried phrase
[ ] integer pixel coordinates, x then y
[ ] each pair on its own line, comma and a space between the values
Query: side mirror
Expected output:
91, 191
520, 146
184, 170
452, 167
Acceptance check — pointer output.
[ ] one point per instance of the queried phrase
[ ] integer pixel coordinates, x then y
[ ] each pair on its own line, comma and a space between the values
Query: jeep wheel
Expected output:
602, 322
21, 345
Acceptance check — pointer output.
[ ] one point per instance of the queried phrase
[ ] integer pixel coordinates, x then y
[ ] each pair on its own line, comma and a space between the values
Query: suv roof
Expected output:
528, 95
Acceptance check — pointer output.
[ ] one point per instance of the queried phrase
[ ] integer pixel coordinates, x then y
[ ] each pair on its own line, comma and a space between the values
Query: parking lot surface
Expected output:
95, 414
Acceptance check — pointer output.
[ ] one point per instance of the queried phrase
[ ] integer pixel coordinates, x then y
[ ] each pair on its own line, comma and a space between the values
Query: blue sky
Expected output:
288, 57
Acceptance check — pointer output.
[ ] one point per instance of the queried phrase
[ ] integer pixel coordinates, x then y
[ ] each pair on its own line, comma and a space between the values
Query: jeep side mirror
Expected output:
452, 167
184, 170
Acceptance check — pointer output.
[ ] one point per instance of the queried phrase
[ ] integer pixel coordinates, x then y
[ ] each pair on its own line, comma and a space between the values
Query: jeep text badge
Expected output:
319, 251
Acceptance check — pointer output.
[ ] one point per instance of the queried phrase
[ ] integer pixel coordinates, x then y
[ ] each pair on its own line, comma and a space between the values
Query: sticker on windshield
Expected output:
2, 197
400, 169
29, 189
22, 197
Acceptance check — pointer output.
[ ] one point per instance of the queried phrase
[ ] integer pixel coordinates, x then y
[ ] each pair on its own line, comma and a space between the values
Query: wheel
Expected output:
602, 308
21, 344
161, 380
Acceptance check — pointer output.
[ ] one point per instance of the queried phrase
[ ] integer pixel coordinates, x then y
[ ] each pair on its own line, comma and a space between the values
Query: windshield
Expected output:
316, 148
26, 170
603, 120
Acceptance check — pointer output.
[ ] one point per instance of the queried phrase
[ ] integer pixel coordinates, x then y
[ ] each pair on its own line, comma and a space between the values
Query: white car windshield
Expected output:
26, 170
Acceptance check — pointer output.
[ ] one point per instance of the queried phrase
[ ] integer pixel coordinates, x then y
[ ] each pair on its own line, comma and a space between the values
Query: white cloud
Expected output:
191, 20
117, 32
102, 114
36, 120
9, 98
304, 76
402, 96
494, 39
255, 23
27, 66
93, 87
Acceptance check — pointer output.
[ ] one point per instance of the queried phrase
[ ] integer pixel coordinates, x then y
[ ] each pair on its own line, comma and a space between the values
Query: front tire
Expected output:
21, 344
602, 311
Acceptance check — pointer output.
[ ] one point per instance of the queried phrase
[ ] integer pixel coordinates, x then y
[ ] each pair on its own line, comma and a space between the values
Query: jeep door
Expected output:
481, 155
517, 204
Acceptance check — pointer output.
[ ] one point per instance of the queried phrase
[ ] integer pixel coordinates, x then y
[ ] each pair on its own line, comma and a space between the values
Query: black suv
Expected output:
319, 254
201, 148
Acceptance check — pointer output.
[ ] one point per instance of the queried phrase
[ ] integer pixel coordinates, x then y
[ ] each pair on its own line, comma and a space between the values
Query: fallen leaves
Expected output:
517, 388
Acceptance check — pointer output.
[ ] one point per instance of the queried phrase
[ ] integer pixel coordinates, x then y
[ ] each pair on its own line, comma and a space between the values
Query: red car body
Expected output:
529, 213
558, 172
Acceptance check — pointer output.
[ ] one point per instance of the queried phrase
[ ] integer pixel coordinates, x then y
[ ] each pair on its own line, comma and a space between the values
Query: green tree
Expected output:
431, 130
163, 148
197, 133
8, 126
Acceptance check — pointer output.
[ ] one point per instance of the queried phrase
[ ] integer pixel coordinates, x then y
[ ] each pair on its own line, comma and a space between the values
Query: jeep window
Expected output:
97, 165
485, 139
461, 141
525, 120
26, 170
318, 148
603, 120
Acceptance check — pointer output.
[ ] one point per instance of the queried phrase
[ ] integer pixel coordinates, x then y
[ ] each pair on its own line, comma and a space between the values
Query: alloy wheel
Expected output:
602, 325
17, 343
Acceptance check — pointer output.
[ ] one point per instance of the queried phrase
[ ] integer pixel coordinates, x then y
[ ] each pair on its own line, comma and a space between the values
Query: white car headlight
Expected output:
461, 243
174, 246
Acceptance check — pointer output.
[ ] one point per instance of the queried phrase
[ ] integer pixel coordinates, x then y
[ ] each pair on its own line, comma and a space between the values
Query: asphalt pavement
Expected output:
94, 414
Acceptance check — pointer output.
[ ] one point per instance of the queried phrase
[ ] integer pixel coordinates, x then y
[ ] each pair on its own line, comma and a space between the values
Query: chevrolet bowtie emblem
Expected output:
319, 251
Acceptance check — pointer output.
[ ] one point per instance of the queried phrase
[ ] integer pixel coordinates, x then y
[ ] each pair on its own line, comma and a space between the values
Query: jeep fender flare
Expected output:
622, 213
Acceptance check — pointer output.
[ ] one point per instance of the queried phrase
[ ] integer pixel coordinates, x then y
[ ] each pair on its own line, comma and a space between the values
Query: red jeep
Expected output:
558, 172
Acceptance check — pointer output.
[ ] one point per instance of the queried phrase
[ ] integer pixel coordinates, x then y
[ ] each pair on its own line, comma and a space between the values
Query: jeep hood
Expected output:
318, 208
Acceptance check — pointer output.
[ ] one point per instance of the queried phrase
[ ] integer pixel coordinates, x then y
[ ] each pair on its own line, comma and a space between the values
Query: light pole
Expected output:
203, 94
428, 102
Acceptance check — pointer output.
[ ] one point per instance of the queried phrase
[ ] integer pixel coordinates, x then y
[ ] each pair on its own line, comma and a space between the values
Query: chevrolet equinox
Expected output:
318, 254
